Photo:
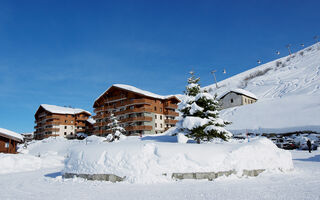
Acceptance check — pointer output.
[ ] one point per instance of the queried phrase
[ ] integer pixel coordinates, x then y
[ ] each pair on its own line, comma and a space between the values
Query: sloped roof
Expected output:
239, 91
10, 134
139, 91
62, 110
91, 121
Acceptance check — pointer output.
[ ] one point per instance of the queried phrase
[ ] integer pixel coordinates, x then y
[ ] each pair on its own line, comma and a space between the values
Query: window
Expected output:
231, 100
160, 109
161, 117
160, 125
155, 125
65, 121
245, 100
6, 145
65, 133
155, 116
65, 127
155, 108
71, 133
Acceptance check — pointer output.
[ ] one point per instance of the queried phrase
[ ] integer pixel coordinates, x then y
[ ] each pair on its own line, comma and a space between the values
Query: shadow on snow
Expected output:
315, 158
53, 175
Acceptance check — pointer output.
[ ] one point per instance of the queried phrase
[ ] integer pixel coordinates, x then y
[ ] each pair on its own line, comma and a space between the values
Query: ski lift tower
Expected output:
212, 72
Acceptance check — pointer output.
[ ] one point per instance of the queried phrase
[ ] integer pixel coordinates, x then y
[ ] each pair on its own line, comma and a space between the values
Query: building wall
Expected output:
247, 100
66, 125
231, 100
11, 145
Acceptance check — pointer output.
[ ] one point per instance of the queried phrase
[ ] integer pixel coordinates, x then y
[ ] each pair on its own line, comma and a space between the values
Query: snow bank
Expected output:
146, 162
11, 163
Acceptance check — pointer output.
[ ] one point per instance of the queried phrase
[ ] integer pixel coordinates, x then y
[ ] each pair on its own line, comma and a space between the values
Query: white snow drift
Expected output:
146, 162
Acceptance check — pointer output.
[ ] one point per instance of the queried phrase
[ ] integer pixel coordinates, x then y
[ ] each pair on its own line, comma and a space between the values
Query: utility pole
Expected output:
288, 46
212, 72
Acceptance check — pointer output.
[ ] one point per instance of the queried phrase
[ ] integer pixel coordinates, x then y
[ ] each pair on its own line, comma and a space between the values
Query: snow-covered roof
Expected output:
62, 110
11, 134
137, 90
91, 121
239, 91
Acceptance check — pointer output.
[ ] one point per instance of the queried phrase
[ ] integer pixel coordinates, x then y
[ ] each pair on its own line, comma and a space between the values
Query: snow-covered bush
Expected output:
200, 115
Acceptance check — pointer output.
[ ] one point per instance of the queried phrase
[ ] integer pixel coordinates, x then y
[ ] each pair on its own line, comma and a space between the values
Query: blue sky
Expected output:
69, 52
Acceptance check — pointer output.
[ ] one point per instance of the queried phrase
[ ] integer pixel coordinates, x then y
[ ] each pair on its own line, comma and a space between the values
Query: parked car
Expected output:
288, 146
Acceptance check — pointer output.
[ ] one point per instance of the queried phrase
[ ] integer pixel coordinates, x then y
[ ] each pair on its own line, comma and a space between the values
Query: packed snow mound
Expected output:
11, 163
147, 162
288, 90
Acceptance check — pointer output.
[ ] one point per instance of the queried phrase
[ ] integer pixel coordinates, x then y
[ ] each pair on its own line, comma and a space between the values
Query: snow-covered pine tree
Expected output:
200, 115
117, 130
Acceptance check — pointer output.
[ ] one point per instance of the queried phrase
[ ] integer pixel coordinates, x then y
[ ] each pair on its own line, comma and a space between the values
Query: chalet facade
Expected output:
236, 97
54, 120
139, 112
9, 141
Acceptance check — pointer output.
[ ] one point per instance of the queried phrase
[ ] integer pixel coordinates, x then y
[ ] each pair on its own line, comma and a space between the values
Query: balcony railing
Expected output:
171, 113
134, 110
133, 119
170, 121
138, 128
123, 103
52, 129
171, 105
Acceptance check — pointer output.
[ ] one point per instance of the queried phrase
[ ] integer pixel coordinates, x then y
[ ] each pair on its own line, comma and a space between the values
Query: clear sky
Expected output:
69, 52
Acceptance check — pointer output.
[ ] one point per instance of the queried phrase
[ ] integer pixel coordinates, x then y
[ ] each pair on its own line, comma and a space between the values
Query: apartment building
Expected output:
54, 120
139, 111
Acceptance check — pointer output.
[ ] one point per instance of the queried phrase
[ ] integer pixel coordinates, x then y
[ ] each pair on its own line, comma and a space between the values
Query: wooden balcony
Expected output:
133, 119
171, 105
123, 103
51, 117
137, 101
81, 118
52, 129
170, 121
171, 113
100, 116
135, 110
138, 128
101, 108
53, 123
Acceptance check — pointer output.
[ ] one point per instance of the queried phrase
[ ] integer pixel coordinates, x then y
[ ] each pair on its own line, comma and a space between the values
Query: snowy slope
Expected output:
288, 90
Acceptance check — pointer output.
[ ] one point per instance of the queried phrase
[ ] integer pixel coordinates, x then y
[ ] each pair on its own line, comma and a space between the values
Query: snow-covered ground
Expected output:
301, 183
288, 91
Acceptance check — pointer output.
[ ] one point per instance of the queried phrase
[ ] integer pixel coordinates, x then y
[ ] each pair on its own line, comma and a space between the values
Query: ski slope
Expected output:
288, 91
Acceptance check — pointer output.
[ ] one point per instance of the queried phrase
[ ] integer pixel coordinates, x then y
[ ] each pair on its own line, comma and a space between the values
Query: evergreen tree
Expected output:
117, 130
200, 115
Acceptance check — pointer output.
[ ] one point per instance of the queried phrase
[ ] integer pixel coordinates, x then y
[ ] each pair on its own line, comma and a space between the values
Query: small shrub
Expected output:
301, 53
278, 63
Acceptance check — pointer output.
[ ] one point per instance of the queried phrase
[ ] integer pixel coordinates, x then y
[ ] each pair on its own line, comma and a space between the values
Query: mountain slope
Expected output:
289, 95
